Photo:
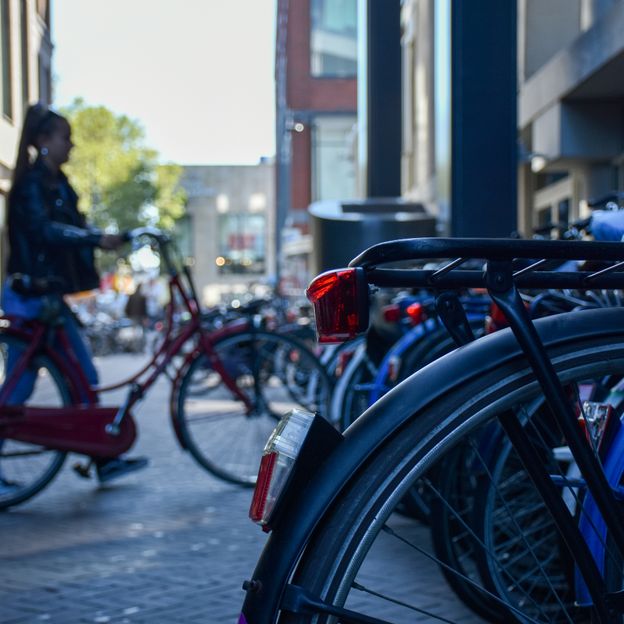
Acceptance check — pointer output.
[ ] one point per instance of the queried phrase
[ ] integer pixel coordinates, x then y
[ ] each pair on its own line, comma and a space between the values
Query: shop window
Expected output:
333, 38
241, 244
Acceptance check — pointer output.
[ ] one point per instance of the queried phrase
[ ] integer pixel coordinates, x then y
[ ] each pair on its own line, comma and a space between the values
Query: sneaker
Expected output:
110, 469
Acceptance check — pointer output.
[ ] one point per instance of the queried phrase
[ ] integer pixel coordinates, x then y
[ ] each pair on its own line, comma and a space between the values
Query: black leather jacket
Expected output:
49, 239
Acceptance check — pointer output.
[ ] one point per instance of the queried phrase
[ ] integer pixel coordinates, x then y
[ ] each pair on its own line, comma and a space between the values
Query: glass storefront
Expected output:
241, 244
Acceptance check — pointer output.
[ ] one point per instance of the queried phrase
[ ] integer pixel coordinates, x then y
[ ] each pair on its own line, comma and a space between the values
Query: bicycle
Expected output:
365, 381
229, 386
536, 383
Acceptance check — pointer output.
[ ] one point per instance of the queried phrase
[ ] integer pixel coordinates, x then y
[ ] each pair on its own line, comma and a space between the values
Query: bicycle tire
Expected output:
26, 469
348, 532
217, 429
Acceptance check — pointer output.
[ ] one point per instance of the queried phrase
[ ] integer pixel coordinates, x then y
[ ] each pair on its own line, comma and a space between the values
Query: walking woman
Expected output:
51, 246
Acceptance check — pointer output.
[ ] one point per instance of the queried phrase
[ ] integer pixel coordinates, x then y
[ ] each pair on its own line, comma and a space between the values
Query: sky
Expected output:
197, 74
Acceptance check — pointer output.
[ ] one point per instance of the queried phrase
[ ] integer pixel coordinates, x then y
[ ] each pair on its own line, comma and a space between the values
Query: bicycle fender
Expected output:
308, 505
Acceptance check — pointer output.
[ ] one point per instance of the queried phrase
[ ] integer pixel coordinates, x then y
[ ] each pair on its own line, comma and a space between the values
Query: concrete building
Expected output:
25, 59
229, 228
570, 104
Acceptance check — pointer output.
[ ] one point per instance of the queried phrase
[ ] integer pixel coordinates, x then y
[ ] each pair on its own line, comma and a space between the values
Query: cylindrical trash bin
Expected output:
342, 229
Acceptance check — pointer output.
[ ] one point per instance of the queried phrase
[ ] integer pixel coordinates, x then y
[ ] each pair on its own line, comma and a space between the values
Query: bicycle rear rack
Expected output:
459, 251
504, 272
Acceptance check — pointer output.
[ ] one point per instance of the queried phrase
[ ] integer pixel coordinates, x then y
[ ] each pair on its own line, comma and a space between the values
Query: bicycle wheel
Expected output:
277, 373
452, 534
509, 513
25, 469
359, 535
355, 397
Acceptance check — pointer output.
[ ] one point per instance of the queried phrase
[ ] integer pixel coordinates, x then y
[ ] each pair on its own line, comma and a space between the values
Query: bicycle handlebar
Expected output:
151, 232
168, 252
567, 230
614, 196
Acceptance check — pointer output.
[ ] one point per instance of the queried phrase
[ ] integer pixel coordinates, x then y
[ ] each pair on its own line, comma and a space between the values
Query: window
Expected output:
45, 79
333, 157
544, 217
333, 38
25, 52
241, 244
5, 58
43, 9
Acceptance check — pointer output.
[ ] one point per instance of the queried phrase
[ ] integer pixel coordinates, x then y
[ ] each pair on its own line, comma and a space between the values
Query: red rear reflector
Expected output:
415, 312
278, 459
267, 465
392, 313
340, 300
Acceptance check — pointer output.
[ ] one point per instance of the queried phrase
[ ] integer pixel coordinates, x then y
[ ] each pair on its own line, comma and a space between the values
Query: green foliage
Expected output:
119, 181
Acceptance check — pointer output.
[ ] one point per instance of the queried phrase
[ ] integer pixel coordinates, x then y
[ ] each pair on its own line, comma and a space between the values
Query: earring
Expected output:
43, 151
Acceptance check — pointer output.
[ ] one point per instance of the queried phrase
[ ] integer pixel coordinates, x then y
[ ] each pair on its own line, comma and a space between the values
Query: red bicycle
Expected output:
229, 386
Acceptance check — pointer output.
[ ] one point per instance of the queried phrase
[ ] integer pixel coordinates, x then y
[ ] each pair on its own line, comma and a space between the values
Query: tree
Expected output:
119, 181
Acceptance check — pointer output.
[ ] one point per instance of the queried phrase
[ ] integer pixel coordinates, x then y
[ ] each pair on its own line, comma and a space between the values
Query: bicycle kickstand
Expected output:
83, 469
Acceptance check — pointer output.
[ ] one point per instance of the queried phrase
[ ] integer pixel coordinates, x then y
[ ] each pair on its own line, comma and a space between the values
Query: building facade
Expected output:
229, 228
570, 107
25, 58
570, 104
316, 104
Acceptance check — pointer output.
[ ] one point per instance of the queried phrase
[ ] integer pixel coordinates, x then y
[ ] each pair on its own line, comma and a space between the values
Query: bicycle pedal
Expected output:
82, 470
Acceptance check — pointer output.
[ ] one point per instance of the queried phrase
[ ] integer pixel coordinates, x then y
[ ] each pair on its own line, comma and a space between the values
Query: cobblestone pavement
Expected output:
168, 544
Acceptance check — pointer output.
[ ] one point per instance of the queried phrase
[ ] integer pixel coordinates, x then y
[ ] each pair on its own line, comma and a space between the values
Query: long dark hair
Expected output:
39, 122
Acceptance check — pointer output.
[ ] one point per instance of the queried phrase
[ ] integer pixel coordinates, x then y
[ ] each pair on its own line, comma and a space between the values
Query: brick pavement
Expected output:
169, 544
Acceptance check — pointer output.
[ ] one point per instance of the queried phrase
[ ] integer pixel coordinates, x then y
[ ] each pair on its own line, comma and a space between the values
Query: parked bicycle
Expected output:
229, 387
534, 410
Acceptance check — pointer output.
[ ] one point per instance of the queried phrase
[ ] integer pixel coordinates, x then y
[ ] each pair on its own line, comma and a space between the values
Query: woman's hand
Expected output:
111, 241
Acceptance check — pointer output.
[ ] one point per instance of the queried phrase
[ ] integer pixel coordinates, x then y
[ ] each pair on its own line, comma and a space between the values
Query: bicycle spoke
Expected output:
400, 603
473, 536
522, 537
422, 551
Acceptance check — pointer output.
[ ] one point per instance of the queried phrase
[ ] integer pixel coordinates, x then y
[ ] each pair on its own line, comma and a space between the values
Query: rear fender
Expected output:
307, 506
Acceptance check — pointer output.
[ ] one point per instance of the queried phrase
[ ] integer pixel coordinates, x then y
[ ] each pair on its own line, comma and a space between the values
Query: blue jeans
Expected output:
15, 304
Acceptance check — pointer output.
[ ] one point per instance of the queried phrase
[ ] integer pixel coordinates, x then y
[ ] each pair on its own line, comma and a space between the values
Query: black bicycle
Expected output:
533, 410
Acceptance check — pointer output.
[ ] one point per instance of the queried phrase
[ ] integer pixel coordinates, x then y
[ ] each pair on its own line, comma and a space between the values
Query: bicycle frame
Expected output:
306, 507
118, 421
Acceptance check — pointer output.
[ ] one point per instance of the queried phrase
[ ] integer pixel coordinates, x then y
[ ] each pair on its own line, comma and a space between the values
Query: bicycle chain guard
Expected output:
72, 429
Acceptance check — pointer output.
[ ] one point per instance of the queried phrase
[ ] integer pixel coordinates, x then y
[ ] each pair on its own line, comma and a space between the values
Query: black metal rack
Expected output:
505, 271
460, 251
